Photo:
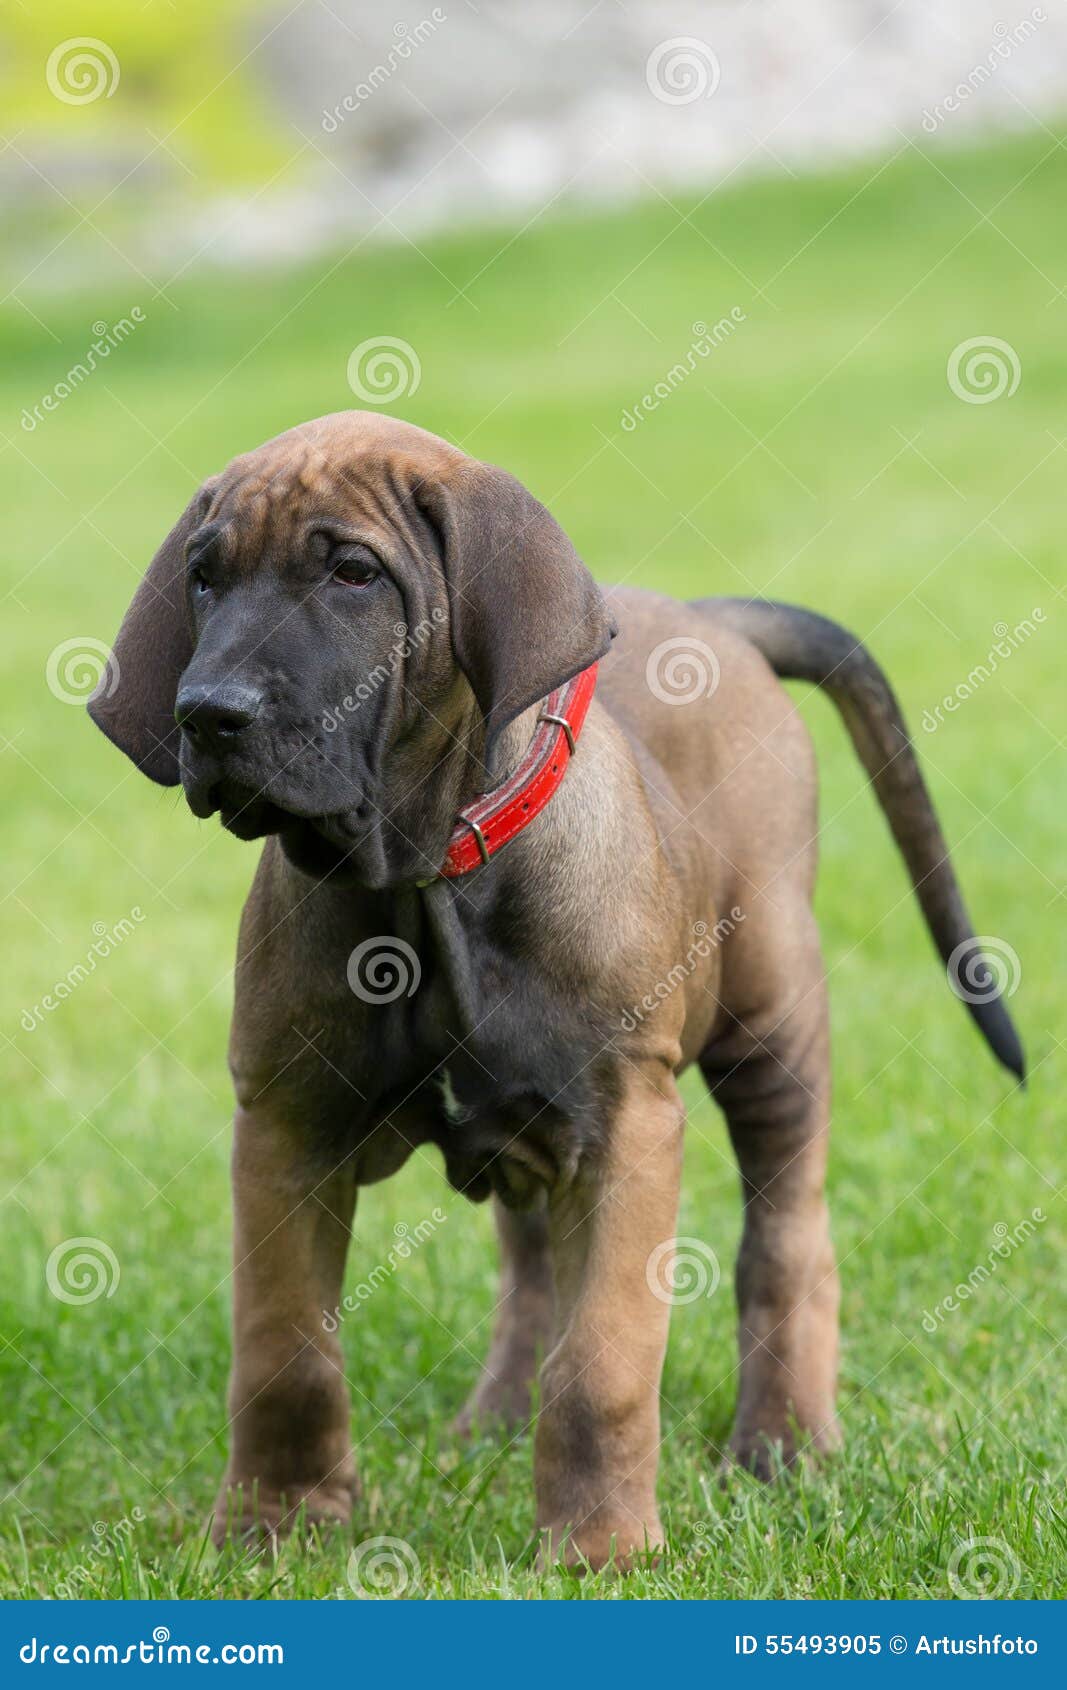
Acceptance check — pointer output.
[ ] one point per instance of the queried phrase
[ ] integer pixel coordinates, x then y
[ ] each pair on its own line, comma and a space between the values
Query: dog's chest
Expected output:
451, 1032
514, 1148
511, 1103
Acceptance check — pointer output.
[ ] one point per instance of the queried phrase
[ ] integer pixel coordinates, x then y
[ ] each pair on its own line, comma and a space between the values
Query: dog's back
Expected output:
751, 766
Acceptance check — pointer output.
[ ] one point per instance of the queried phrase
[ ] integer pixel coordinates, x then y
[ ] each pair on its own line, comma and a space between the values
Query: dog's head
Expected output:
354, 603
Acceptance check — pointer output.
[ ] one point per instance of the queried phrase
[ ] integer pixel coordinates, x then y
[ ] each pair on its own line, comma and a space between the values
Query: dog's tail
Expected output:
801, 646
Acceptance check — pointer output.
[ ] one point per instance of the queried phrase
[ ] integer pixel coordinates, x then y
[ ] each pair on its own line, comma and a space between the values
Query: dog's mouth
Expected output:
322, 833
243, 811
253, 812
321, 842
276, 783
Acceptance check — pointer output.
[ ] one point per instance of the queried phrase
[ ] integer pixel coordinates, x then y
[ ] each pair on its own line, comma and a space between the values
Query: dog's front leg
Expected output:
597, 1441
289, 1410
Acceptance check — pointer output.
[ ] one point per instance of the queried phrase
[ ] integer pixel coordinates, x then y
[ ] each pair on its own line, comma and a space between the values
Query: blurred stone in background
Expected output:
237, 131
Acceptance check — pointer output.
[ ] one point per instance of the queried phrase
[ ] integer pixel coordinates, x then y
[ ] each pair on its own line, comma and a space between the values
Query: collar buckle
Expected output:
483, 849
560, 722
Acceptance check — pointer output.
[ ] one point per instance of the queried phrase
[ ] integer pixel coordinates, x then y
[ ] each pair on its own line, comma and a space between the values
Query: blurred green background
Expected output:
170, 59
819, 455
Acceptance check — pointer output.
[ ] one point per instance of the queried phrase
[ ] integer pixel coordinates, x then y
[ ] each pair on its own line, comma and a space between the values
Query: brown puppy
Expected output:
356, 627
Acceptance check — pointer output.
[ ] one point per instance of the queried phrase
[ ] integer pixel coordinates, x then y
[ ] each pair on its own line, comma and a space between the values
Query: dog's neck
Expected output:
511, 746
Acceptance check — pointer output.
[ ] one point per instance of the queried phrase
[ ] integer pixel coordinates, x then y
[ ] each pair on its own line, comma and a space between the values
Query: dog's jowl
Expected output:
531, 849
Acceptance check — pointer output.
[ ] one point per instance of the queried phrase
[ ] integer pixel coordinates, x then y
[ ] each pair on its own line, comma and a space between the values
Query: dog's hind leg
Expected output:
522, 1326
771, 1078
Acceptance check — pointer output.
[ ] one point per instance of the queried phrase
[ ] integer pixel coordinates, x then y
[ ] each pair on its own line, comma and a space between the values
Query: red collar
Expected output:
495, 817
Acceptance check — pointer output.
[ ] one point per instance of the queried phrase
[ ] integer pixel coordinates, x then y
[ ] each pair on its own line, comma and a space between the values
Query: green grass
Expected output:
818, 455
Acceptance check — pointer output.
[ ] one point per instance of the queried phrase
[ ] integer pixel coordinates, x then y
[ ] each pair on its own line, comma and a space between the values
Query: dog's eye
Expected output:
356, 570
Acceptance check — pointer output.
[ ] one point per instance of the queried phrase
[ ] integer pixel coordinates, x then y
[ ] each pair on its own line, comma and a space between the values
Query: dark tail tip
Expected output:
998, 1030
981, 972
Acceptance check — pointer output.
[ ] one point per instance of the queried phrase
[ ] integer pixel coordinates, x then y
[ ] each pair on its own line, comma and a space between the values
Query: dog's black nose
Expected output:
217, 713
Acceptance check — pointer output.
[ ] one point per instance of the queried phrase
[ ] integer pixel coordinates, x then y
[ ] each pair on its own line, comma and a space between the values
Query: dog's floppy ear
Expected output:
134, 704
526, 613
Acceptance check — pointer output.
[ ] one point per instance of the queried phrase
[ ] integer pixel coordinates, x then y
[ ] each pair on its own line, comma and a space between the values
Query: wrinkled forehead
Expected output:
357, 473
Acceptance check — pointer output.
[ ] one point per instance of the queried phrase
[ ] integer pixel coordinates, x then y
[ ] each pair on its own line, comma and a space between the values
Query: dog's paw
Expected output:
254, 1517
607, 1539
769, 1454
